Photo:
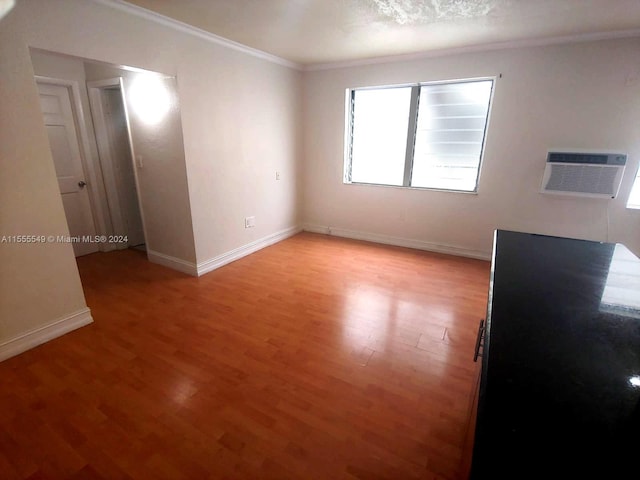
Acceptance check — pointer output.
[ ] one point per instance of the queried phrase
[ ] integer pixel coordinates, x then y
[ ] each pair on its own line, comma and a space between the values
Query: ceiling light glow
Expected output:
150, 99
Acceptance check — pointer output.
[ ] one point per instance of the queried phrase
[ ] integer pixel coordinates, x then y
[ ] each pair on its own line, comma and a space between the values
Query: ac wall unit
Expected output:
595, 175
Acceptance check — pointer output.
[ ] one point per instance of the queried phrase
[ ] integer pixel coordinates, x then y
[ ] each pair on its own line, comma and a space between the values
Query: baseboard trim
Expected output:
38, 336
172, 262
228, 257
397, 241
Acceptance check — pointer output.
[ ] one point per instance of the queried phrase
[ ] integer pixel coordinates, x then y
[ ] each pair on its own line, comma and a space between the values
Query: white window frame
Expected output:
411, 125
635, 187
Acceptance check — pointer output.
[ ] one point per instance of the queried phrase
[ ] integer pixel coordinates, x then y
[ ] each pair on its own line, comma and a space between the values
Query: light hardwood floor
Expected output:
316, 358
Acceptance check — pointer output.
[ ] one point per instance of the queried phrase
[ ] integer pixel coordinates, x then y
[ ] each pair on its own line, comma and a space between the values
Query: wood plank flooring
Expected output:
316, 358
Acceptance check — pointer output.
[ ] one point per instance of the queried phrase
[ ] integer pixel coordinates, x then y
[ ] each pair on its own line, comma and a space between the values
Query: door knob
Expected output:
82, 184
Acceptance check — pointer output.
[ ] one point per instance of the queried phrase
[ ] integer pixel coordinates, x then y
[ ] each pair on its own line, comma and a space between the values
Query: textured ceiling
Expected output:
324, 31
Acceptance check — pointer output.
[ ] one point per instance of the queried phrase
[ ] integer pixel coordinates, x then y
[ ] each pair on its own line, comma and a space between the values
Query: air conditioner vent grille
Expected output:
584, 174
583, 178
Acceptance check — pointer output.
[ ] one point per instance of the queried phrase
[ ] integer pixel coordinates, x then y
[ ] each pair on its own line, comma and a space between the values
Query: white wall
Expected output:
244, 130
240, 117
583, 96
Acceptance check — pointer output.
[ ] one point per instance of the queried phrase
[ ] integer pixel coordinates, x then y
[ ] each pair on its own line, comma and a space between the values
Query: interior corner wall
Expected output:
39, 281
240, 120
575, 96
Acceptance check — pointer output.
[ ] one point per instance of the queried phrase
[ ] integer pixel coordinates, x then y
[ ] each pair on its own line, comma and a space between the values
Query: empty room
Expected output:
319, 239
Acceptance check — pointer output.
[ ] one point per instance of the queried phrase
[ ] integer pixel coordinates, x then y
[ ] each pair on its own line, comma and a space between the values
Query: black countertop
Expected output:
560, 385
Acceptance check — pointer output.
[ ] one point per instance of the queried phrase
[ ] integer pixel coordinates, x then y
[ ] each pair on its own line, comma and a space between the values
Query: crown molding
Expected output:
539, 42
177, 25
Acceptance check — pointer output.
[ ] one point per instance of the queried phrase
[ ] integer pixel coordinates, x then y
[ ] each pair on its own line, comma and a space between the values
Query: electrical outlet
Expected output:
277, 175
249, 222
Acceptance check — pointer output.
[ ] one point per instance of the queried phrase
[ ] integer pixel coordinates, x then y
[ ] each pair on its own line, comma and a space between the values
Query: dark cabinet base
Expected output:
560, 384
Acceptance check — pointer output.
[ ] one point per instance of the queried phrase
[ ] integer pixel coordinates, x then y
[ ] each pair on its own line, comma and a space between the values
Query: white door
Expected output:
116, 124
63, 140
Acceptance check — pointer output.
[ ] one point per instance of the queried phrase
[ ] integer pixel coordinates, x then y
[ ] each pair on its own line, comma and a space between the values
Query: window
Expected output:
425, 135
634, 197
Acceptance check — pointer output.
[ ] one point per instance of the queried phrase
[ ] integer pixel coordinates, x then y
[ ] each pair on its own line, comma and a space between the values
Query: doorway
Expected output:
113, 138
95, 224
60, 113
152, 163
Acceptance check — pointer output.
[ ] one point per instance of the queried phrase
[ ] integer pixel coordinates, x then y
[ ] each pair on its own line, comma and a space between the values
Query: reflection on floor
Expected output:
316, 358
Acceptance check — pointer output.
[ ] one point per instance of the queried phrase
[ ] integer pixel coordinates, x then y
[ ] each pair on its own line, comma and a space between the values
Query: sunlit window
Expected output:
380, 135
424, 135
634, 198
